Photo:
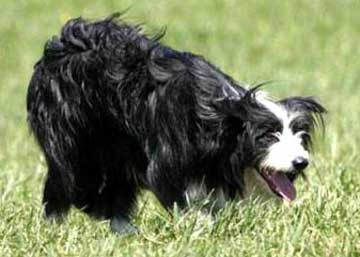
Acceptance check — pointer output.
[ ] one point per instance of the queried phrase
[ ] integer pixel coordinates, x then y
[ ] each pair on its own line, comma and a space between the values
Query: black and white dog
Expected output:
115, 111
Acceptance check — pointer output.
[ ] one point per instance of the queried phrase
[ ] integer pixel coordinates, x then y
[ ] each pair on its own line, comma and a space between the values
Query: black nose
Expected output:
300, 163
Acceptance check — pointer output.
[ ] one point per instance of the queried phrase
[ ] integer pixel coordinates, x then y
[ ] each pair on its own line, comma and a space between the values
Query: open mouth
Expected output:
279, 183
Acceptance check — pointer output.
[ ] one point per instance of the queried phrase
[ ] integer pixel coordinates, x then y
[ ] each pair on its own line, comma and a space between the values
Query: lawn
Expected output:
310, 47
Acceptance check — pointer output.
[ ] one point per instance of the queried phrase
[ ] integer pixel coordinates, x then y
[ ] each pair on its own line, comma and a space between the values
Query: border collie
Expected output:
115, 111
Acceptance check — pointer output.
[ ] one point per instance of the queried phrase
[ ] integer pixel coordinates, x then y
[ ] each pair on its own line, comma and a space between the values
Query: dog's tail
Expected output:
76, 52
85, 49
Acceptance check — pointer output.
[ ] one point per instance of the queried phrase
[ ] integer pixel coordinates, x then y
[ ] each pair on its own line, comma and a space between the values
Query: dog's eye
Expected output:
269, 135
272, 136
302, 127
306, 138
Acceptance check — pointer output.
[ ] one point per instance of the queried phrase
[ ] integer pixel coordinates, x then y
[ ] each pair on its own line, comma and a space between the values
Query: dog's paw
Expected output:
54, 218
122, 226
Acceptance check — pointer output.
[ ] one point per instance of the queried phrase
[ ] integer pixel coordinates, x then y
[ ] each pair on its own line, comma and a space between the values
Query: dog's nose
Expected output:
300, 163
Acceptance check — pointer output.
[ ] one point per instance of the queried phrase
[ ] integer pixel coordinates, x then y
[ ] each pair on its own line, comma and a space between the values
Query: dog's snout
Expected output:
300, 163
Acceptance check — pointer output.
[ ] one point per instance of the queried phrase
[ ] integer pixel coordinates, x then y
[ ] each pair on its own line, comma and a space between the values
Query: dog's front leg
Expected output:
167, 184
121, 225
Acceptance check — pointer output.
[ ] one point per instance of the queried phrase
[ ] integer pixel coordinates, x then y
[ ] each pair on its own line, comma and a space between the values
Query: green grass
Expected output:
311, 47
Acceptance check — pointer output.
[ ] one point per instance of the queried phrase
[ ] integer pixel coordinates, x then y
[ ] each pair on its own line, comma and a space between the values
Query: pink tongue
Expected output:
283, 186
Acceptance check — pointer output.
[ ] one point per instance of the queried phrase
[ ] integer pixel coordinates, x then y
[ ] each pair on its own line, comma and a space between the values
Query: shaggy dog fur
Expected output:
114, 111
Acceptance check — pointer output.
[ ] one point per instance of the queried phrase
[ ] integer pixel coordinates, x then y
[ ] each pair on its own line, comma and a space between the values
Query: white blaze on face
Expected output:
289, 145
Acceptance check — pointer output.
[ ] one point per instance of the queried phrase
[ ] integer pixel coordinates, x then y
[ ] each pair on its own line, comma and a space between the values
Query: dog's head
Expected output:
274, 137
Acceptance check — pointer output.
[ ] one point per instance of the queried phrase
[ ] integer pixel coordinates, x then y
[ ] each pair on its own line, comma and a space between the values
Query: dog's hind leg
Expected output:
109, 179
115, 201
123, 194
55, 199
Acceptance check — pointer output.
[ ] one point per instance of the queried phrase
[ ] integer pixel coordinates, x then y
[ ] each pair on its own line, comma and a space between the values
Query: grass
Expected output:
310, 46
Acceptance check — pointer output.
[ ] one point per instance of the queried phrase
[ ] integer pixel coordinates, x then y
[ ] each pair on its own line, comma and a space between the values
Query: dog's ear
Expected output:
308, 106
303, 104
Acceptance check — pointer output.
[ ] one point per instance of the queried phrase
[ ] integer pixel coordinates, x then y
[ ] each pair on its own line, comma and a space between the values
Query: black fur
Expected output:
115, 111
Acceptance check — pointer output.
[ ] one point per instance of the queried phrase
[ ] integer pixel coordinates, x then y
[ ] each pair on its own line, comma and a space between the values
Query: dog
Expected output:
115, 111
